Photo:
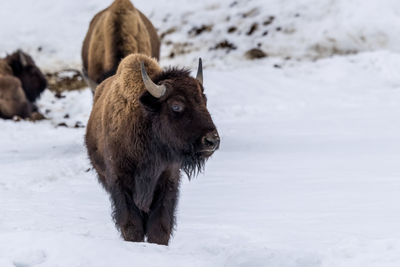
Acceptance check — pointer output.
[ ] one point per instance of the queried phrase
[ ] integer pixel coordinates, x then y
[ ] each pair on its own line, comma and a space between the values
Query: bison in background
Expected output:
145, 126
25, 69
21, 83
13, 101
114, 33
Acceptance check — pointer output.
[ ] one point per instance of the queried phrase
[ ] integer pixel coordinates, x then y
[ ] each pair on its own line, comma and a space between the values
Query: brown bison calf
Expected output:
114, 33
146, 125
21, 83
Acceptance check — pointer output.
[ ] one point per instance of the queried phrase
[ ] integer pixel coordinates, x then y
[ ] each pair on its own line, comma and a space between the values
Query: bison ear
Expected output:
151, 103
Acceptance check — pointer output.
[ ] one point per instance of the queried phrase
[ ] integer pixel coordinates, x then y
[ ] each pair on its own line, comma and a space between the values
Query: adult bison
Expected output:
146, 125
31, 77
21, 83
13, 101
114, 33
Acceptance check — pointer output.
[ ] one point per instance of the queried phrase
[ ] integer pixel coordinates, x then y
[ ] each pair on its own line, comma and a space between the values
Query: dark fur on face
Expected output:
32, 79
180, 132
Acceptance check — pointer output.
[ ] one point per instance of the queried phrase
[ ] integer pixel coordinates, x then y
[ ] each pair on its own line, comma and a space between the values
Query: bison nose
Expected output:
210, 141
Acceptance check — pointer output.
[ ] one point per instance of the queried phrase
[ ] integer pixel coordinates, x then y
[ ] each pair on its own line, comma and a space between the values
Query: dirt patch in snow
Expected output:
65, 80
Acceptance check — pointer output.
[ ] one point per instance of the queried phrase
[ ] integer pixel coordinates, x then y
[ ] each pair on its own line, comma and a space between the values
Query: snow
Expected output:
307, 174
304, 29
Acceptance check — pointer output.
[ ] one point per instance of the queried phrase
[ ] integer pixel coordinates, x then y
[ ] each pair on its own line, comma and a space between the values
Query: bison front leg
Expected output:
144, 191
127, 217
162, 213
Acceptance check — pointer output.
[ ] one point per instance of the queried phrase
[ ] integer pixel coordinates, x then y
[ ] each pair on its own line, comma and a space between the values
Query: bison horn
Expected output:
199, 75
22, 58
155, 90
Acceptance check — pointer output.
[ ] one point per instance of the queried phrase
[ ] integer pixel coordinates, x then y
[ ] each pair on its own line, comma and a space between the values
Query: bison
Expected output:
114, 33
146, 125
25, 69
21, 83
13, 101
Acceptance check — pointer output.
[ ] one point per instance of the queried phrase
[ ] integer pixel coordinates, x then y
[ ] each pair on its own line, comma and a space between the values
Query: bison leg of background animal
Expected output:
162, 213
127, 216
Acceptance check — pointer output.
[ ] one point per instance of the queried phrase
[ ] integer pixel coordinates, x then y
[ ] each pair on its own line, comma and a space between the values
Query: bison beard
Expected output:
193, 164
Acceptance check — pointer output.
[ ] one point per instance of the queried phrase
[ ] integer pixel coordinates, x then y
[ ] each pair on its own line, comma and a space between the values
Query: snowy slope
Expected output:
303, 29
307, 174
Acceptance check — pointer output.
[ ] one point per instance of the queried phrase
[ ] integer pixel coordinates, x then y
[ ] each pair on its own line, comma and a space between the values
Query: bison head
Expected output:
24, 68
177, 108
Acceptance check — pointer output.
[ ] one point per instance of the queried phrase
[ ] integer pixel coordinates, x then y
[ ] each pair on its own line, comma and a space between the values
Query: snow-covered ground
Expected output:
304, 29
308, 171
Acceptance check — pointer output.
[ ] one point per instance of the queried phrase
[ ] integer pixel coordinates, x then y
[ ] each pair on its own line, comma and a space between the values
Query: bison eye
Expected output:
176, 107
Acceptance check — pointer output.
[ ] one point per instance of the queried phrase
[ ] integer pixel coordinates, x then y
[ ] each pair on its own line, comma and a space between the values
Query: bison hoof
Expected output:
163, 240
131, 233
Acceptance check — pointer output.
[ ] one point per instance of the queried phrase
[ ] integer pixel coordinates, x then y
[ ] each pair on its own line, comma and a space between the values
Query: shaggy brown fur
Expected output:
138, 143
12, 98
114, 33
5, 69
